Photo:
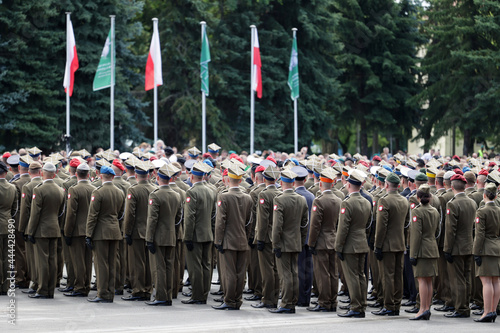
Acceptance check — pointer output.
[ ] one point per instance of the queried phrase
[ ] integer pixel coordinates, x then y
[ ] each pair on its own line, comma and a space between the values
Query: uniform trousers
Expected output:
70, 270
105, 267
444, 290
270, 278
289, 279
4, 263
391, 271
140, 273
22, 277
30, 259
353, 266
178, 268
254, 276
305, 270
162, 262
46, 265
121, 265
233, 264
327, 278
199, 263
81, 256
409, 285
376, 281
460, 275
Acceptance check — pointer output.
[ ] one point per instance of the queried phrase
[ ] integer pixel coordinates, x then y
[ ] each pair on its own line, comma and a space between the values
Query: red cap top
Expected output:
458, 177
483, 172
492, 164
207, 155
117, 163
271, 159
459, 172
455, 157
224, 173
152, 158
74, 163
364, 163
6, 155
260, 168
376, 158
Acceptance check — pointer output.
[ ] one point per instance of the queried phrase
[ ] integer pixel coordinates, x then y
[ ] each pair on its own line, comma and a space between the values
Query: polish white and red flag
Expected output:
257, 75
153, 66
71, 60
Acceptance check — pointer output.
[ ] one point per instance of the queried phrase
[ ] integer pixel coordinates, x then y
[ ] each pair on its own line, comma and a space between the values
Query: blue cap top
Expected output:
106, 170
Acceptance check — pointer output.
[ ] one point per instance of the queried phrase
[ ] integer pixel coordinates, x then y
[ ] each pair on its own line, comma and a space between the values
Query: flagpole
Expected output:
112, 88
295, 113
155, 27
68, 69
252, 93
203, 104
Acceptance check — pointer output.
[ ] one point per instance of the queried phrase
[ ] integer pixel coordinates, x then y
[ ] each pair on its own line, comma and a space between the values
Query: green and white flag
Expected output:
102, 77
204, 60
293, 71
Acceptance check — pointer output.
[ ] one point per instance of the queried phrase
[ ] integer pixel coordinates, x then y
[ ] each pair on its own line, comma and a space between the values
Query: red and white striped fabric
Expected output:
257, 75
153, 66
71, 60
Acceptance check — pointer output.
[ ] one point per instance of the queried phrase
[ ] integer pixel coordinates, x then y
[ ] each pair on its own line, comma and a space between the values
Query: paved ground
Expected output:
64, 314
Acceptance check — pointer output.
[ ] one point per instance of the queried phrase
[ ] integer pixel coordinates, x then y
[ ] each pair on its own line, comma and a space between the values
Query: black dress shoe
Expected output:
253, 298
281, 310
126, 286
375, 305
489, 318
135, 298
475, 307
261, 305
221, 300
348, 300
315, 295
478, 313
372, 298
352, 314
437, 302
385, 312
118, 292
445, 308
29, 291
224, 306
409, 303
314, 302
187, 294
187, 283
456, 315
318, 308
345, 307
65, 290
159, 303
93, 287
424, 316
412, 310
193, 301
99, 300
38, 296
215, 293
216, 282
248, 291
342, 293
75, 294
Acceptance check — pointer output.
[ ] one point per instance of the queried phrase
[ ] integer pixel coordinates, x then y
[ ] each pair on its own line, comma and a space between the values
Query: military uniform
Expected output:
254, 274
77, 210
290, 220
107, 205
423, 247
8, 208
122, 258
198, 231
136, 212
179, 258
322, 232
487, 241
67, 183
47, 207
392, 213
163, 213
460, 212
443, 292
232, 231
22, 276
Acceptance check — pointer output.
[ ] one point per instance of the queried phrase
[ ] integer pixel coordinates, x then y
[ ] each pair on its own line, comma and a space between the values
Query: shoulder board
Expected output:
38, 185
98, 187
280, 194
451, 200
346, 197
384, 195
155, 190
417, 206
135, 184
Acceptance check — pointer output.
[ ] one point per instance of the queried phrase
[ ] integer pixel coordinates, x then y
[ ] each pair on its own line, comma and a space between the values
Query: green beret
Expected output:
425, 188
490, 187
420, 177
392, 178
423, 170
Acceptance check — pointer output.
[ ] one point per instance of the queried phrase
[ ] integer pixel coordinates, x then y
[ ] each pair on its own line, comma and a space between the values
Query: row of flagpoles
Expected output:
105, 76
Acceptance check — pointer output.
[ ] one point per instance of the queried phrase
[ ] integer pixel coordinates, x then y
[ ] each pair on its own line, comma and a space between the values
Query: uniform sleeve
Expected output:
263, 209
451, 227
250, 219
316, 222
277, 224
220, 220
253, 222
343, 227
71, 209
189, 215
95, 206
382, 222
304, 223
415, 234
15, 203
152, 221
480, 223
129, 222
25, 209
36, 207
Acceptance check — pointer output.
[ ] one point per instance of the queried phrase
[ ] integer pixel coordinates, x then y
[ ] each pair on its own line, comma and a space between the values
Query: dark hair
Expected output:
82, 173
490, 195
425, 198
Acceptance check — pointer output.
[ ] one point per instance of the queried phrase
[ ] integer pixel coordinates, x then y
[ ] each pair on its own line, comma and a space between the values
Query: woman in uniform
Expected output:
486, 252
424, 251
